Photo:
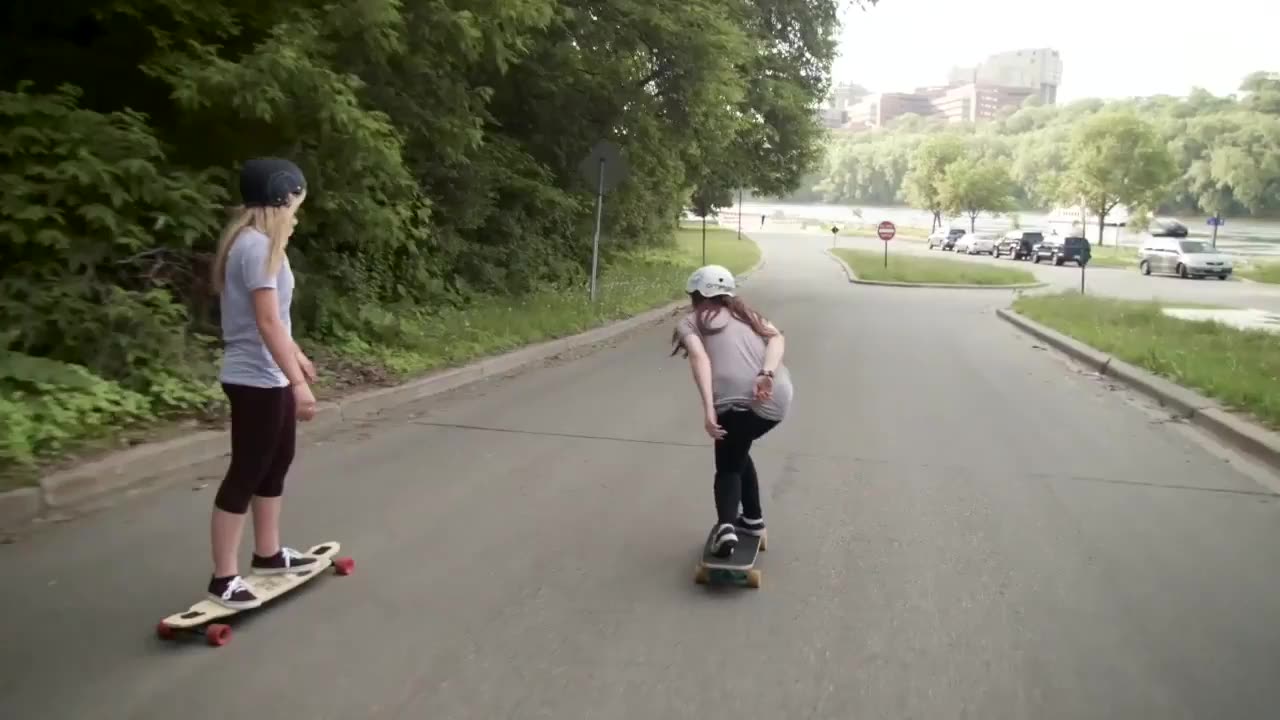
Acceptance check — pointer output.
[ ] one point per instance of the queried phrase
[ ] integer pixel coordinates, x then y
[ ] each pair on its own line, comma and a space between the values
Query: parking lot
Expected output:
1126, 283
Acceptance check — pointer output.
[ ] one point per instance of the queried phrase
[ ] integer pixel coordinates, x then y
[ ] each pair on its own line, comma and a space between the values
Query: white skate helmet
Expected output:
710, 281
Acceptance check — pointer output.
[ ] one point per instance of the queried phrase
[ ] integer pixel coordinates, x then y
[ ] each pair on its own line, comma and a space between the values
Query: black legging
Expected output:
263, 436
736, 479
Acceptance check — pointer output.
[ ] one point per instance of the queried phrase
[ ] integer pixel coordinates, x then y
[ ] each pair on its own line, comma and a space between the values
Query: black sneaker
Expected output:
287, 560
232, 592
748, 526
724, 541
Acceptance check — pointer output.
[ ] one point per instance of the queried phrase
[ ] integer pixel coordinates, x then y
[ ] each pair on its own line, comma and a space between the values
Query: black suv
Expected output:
1072, 249
1019, 245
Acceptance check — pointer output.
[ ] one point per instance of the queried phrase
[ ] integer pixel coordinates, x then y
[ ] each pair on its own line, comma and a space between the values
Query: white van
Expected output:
1184, 257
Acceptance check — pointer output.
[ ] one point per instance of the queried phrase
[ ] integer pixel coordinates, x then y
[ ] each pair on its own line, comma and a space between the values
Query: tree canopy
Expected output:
440, 139
1224, 153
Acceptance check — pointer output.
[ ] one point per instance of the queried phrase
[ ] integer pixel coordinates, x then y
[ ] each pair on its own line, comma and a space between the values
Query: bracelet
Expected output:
765, 373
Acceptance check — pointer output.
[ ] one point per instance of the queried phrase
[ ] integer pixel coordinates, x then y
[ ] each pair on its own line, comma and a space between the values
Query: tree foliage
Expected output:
922, 185
1115, 157
440, 138
972, 187
1225, 152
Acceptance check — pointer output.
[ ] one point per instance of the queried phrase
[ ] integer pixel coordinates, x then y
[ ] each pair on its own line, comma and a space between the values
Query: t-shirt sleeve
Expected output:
686, 327
252, 251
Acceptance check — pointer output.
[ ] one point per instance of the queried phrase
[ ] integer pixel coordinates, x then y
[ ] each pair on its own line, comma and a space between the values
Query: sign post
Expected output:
1084, 260
739, 217
834, 231
603, 167
886, 231
1216, 221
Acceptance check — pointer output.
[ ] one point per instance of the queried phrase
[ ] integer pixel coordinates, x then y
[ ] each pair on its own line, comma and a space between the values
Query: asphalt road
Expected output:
962, 526
1126, 283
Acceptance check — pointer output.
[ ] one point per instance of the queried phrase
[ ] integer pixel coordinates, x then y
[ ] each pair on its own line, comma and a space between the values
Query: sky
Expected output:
1109, 48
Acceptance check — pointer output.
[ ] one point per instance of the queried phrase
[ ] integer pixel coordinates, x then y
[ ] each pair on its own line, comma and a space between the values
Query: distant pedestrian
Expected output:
744, 389
265, 376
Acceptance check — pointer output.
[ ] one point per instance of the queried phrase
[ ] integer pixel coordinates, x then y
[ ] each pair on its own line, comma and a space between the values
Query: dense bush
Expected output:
441, 140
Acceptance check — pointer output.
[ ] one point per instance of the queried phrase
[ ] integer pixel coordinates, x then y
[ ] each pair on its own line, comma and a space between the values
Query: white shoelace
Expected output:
232, 587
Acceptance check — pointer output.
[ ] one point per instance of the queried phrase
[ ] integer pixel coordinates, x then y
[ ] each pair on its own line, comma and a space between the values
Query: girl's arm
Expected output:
266, 311
773, 350
700, 364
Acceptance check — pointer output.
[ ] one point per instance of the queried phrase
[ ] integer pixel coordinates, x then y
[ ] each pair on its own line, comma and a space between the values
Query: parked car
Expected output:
945, 240
976, 244
1167, 227
1063, 250
1019, 244
1186, 258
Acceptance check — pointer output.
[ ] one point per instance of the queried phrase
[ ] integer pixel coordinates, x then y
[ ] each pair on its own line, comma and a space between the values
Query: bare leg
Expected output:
225, 530
266, 525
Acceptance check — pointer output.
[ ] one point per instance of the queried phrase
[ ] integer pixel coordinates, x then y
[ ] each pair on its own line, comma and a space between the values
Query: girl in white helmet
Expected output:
736, 357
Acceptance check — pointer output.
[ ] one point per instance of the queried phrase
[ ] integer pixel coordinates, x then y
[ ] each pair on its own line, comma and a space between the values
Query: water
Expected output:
1243, 236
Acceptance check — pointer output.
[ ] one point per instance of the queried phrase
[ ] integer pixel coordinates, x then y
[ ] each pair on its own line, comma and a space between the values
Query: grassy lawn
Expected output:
1265, 272
630, 285
1111, 256
862, 229
869, 265
1240, 369
395, 345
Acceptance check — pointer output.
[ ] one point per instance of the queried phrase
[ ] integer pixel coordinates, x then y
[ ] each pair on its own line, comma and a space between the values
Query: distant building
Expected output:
1037, 69
975, 102
1001, 83
875, 111
835, 112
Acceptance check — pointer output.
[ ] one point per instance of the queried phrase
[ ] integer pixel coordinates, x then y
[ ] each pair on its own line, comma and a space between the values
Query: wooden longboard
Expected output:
266, 587
739, 567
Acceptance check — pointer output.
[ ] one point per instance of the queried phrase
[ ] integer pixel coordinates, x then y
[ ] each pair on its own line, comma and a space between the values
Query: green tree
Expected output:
1203, 132
973, 187
922, 186
1116, 157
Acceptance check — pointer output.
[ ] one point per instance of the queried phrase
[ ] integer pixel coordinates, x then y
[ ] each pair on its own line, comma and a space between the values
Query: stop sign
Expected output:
886, 231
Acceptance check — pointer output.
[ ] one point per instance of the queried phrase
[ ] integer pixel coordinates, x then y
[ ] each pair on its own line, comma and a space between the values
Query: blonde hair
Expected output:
274, 222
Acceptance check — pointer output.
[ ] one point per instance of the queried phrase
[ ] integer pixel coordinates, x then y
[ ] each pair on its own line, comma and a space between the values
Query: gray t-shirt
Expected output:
246, 359
737, 355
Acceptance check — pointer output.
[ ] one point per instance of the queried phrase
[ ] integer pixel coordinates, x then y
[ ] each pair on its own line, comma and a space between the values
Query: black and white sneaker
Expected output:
287, 560
232, 592
724, 541
749, 526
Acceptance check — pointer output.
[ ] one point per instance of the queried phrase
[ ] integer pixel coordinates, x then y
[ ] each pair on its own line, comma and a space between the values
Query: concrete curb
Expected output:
145, 463
1238, 432
848, 271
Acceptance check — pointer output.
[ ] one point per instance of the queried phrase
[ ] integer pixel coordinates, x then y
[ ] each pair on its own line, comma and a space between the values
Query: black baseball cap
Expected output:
268, 182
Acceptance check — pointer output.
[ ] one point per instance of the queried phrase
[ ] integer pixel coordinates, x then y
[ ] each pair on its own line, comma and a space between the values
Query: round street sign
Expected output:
603, 167
886, 231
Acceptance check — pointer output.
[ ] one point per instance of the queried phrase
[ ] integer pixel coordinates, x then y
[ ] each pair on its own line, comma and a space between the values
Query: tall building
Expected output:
1037, 69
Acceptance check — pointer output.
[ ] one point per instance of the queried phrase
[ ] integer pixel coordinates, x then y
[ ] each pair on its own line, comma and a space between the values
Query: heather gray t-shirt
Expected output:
737, 355
246, 359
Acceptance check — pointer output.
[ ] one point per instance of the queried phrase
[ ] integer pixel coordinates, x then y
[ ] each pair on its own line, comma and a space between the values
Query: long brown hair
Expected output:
705, 308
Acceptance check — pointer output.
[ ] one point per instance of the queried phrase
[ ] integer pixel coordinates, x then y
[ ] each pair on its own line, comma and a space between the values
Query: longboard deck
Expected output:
266, 587
739, 566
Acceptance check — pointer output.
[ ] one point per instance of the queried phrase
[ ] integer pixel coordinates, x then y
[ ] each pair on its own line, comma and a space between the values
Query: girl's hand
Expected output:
712, 425
764, 387
308, 368
306, 402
